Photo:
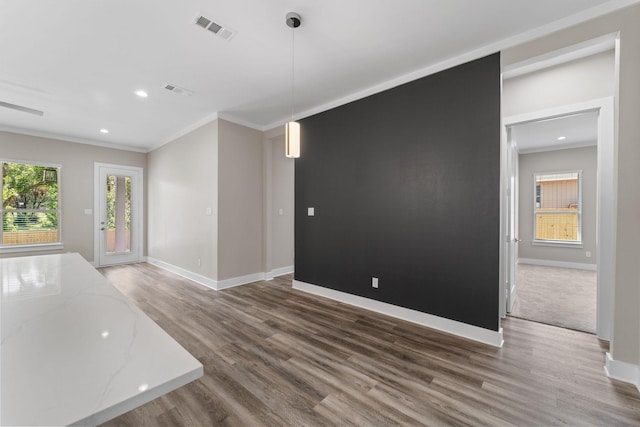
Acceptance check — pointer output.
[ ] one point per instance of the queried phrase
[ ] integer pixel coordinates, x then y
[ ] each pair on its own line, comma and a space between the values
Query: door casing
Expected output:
606, 204
137, 233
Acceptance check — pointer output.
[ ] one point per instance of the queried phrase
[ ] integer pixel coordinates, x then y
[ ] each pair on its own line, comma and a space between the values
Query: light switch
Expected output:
208, 212
280, 211
88, 211
311, 211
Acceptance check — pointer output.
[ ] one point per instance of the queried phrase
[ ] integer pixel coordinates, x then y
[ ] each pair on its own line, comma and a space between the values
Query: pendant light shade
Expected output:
292, 128
292, 140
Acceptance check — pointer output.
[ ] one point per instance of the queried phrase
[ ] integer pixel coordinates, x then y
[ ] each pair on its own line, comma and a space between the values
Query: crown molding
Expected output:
73, 139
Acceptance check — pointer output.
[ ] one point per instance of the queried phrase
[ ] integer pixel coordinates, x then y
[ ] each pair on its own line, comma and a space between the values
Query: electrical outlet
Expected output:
588, 254
199, 262
374, 282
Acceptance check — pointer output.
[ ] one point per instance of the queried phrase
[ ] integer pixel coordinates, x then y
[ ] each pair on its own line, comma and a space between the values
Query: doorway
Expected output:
602, 110
118, 214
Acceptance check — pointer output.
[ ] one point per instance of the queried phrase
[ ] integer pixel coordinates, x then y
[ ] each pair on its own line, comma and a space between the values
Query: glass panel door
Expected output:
118, 224
118, 209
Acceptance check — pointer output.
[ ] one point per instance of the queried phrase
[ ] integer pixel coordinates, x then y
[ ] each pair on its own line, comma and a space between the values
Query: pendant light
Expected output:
292, 128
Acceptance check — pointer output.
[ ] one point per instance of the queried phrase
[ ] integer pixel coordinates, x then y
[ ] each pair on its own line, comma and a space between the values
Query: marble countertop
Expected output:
75, 350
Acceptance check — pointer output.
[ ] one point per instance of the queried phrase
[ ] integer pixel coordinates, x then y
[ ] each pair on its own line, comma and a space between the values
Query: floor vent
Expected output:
217, 29
177, 89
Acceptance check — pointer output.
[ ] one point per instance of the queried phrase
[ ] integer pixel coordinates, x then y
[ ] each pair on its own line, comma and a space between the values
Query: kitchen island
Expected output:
75, 350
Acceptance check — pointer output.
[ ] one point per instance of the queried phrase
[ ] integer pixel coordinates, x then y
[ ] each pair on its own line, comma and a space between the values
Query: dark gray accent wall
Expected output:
405, 186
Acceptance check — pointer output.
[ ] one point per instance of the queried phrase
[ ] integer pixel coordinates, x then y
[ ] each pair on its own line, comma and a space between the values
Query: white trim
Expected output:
503, 238
560, 56
73, 139
535, 213
278, 272
558, 243
32, 248
622, 371
209, 283
196, 125
568, 146
32, 163
246, 123
553, 112
217, 285
96, 210
486, 336
562, 264
527, 36
237, 281
607, 197
205, 121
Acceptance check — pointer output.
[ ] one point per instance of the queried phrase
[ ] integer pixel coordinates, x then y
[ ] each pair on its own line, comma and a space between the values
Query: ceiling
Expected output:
81, 61
572, 131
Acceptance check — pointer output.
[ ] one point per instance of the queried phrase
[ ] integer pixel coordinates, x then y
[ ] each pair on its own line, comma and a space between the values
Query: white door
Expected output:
512, 220
118, 208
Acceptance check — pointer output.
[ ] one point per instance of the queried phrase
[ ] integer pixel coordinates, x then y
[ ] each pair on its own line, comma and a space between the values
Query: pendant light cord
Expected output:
293, 71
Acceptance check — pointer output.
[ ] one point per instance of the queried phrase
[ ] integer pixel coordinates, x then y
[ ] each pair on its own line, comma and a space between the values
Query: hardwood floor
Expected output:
276, 356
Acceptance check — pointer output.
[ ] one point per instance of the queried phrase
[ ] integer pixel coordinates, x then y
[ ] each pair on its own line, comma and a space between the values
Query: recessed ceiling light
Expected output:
141, 93
562, 138
104, 130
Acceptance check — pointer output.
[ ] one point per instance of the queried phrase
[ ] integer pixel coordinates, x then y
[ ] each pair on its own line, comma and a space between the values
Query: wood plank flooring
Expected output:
275, 356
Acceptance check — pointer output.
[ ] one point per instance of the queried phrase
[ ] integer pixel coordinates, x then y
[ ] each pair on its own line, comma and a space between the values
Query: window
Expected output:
30, 204
558, 207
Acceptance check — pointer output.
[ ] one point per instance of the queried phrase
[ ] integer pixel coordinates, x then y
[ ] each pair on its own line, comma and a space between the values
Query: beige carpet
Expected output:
563, 297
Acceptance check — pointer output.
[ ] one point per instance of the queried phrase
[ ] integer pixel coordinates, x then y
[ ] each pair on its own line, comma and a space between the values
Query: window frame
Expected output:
34, 247
537, 198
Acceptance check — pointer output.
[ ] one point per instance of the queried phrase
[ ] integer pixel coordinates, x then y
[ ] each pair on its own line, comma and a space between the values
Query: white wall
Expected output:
283, 198
182, 185
229, 168
239, 201
625, 342
76, 186
573, 82
279, 192
561, 160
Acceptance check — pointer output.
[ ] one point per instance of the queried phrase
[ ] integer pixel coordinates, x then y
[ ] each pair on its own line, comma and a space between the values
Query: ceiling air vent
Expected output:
217, 29
177, 89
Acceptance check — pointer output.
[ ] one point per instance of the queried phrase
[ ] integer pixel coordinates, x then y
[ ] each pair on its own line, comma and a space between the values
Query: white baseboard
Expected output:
622, 371
237, 281
475, 333
218, 285
278, 272
198, 278
563, 264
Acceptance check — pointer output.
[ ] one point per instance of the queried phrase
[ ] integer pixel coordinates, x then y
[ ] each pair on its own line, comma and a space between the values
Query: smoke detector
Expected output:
219, 30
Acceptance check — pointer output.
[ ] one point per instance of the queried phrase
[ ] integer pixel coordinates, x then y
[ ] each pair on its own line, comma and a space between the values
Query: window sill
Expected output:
558, 244
31, 248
